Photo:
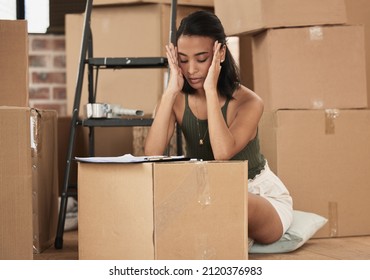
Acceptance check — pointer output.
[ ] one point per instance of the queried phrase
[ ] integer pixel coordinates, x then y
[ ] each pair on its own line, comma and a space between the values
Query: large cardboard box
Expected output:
28, 181
13, 63
114, 36
179, 2
16, 184
323, 157
246, 61
175, 210
252, 16
358, 13
310, 67
45, 194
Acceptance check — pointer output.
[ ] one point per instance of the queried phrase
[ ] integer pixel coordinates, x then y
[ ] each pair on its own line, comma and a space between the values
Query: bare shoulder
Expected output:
248, 99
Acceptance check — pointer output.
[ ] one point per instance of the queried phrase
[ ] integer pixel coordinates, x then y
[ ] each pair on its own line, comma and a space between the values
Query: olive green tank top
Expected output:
195, 130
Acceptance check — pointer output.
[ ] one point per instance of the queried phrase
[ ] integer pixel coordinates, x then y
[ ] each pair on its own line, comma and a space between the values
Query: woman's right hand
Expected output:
176, 81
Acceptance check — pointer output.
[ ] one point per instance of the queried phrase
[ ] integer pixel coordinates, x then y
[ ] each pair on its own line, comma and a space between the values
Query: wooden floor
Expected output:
349, 248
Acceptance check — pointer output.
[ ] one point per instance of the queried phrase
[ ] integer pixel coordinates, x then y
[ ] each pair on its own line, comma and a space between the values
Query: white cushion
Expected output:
303, 227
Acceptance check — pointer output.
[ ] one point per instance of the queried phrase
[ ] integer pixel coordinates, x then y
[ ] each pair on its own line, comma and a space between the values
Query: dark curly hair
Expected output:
207, 24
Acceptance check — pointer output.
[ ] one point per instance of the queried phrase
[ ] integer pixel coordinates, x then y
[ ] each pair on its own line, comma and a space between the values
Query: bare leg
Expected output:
264, 224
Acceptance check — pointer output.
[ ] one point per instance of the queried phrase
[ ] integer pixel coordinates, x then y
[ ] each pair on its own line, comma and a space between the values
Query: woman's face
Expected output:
195, 55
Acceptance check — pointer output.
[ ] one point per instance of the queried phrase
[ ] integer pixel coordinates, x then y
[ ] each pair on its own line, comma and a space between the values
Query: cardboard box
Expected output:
310, 67
358, 13
173, 210
16, 184
114, 36
13, 63
252, 16
179, 2
323, 157
246, 61
44, 178
28, 176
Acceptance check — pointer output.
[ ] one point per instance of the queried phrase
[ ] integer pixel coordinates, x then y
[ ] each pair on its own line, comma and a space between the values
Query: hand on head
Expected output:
210, 83
176, 80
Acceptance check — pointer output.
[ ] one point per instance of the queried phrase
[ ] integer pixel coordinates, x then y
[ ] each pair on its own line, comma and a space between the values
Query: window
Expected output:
43, 16
36, 12
37, 15
8, 9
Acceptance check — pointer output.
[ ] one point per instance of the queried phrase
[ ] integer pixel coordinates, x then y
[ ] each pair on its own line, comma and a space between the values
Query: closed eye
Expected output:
199, 60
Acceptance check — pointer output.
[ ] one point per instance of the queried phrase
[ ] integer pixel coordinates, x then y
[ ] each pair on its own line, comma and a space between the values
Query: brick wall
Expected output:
47, 73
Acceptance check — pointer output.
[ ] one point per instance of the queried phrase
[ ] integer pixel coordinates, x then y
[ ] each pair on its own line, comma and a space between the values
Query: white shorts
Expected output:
268, 185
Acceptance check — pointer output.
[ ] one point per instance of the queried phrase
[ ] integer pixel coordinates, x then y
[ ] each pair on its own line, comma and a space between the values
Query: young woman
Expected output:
219, 118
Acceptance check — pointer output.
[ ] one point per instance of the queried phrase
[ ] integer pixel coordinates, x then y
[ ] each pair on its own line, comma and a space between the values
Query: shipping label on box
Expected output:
323, 157
252, 16
310, 67
178, 210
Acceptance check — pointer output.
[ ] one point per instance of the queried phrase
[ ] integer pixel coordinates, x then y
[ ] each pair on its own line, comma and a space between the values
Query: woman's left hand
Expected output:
210, 83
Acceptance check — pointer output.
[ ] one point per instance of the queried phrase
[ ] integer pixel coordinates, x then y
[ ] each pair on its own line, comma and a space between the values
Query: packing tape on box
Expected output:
194, 187
36, 138
204, 194
333, 219
330, 116
204, 250
37, 118
316, 33
317, 104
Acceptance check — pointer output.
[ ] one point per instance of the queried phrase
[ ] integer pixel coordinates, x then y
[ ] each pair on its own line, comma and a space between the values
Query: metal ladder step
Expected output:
116, 122
128, 62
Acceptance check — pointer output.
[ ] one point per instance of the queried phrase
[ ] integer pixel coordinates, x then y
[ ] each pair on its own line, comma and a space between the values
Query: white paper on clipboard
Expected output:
128, 158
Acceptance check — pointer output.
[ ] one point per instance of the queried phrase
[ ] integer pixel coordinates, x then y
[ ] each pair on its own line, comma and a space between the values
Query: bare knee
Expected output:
264, 224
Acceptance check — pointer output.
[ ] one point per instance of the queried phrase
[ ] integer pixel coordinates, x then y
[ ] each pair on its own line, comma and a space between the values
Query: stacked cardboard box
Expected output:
14, 63
309, 67
28, 176
28, 155
44, 146
358, 13
252, 16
